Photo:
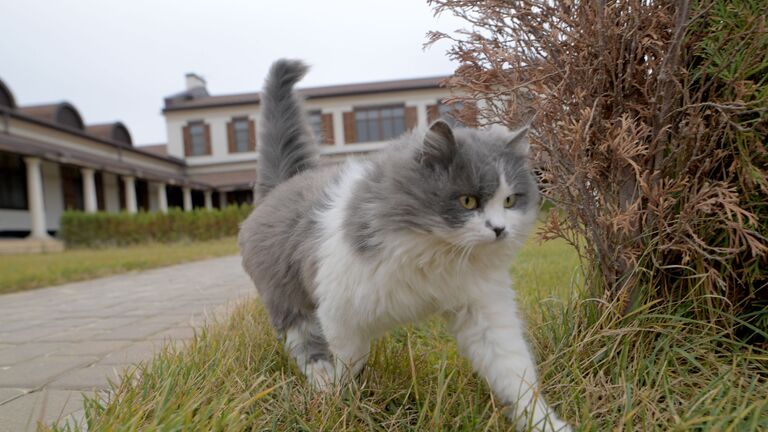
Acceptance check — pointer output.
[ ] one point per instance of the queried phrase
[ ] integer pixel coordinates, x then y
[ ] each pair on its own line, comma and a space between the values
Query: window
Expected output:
315, 119
450, 113
380, 123
13, 188
241, 135
197, 139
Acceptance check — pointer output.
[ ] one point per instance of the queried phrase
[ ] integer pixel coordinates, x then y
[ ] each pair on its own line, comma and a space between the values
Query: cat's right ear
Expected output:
439, 147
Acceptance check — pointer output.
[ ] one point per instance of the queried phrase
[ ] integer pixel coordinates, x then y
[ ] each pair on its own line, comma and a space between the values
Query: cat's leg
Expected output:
348, 344
490, 332
305, 342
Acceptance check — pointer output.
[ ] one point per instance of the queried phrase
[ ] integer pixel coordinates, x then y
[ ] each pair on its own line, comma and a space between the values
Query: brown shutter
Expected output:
350, 131
231, 137
251, 135
411, 118
187, 141
433, 113
326, 120
208, 139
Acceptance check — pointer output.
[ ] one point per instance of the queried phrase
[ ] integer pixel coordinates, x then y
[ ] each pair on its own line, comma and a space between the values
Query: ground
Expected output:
56, 343
654, 369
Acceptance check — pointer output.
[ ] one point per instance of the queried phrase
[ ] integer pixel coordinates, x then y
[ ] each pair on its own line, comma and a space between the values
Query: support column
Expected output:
162, 198
338, 127
187, 198
89, 190
222, 199
35, 197
208, 200
130, 194
421, 114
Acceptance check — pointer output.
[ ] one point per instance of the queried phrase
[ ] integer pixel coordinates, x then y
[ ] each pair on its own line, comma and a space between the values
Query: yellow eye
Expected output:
468, 202
510, 201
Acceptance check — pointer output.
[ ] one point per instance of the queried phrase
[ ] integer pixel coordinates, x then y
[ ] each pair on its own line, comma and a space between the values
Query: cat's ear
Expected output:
517, 141
439, 147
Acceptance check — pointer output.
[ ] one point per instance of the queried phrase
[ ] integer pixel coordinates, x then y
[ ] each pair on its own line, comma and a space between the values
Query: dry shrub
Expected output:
648, 128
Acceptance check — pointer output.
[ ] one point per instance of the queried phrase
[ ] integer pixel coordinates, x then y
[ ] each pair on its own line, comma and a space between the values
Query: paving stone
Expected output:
175, 333
7, 394
18, 324
138, 352
113, 323
95, 377
91, 348
45, 406
40, 371
132, 332
23, 352
74, 337
25, 335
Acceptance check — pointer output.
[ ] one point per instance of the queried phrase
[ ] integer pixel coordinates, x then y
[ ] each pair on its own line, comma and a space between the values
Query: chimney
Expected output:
195, 81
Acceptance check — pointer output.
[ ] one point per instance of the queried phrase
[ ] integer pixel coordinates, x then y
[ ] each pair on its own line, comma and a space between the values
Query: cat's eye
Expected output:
468, 202
510, 201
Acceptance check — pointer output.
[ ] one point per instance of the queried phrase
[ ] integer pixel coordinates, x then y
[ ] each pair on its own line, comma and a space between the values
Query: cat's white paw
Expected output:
543, 422
552, 424
320, 375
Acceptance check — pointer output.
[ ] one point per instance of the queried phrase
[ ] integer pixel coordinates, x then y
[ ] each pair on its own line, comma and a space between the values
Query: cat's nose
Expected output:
499, 231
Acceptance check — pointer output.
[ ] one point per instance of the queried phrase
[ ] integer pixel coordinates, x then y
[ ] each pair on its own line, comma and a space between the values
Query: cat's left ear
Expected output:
517, 141
439, 147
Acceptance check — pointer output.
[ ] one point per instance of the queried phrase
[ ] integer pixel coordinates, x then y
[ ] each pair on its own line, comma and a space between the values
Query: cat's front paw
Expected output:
320, 375
542, 422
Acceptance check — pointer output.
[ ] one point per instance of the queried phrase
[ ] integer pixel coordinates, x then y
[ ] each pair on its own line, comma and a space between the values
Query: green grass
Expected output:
23, 272
654, 370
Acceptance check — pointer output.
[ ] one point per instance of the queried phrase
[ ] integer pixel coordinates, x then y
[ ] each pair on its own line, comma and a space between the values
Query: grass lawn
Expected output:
654, 370
23, 272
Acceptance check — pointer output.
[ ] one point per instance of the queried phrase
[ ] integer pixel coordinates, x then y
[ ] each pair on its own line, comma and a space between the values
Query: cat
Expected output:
341, 254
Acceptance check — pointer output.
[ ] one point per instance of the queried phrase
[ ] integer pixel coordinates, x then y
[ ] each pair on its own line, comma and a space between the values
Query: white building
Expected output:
50, 160
216, 135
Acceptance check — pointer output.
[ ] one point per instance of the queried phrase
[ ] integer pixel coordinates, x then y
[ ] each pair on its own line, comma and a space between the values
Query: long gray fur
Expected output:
285, 142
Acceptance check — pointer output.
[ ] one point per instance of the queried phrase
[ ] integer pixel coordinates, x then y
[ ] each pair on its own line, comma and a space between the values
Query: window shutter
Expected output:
187, 141
208, 139
350, 135
326, 120
432, 113
411, 118
231, 137
251, 135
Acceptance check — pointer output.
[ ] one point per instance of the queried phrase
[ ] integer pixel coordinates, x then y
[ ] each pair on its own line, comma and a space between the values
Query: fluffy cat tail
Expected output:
286, 146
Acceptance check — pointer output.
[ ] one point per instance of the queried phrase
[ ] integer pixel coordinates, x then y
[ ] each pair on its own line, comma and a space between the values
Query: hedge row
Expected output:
80, 229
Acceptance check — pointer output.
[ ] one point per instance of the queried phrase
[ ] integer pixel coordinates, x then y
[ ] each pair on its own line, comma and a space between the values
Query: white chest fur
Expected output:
414, 275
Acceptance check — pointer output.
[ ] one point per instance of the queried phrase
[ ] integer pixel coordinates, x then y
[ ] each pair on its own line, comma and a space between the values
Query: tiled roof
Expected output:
158, 149
177, 103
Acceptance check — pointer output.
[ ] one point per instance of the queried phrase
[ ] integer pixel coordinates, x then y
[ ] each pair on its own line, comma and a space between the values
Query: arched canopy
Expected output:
116, 132
6, 97
63, 113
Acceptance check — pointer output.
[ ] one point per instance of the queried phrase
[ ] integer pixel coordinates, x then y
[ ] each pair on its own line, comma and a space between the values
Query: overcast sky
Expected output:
117, 59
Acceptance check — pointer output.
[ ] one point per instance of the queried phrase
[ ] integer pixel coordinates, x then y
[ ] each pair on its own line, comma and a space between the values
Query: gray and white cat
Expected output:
342, 254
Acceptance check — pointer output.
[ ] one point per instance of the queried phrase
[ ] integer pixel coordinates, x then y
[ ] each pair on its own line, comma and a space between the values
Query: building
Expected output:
216, 135
51, 161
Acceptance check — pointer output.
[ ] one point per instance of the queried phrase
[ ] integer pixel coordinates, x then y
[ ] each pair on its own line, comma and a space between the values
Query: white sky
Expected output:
117, 59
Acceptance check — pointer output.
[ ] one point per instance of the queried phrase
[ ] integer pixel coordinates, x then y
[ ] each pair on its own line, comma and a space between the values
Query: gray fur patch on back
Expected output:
277, 242
406, 191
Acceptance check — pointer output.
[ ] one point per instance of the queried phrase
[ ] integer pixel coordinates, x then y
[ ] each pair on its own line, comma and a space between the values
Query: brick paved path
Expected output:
58, 342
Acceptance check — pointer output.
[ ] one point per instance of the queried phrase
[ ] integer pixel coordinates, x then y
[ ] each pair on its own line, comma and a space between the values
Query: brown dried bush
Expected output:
649, 124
